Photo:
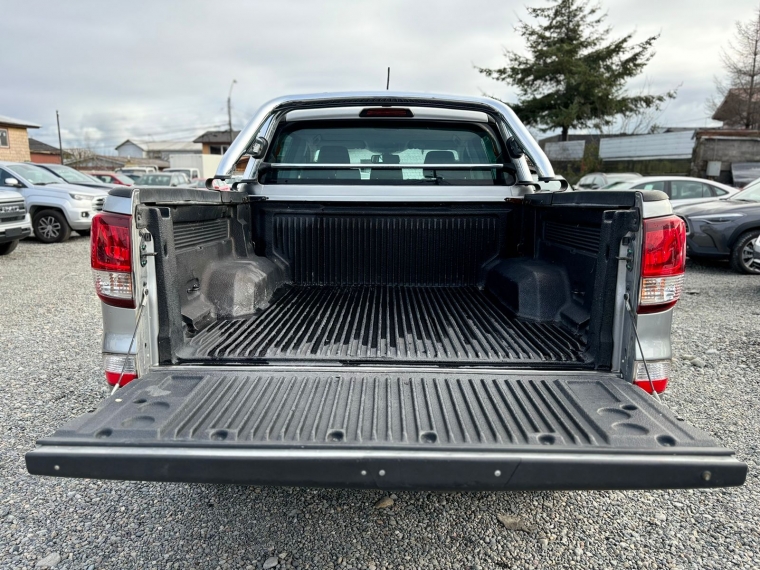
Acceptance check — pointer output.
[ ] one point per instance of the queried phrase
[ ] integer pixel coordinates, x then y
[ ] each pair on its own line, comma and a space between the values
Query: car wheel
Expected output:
7, 247
50, 226
743, 254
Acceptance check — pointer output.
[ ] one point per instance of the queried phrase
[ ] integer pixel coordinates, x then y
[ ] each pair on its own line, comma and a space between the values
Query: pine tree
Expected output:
575, 75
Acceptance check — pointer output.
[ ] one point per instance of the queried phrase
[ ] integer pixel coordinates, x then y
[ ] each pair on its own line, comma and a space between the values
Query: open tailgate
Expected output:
413, 429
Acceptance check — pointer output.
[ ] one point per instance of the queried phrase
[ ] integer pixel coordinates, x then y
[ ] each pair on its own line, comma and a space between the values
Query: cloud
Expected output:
162, 70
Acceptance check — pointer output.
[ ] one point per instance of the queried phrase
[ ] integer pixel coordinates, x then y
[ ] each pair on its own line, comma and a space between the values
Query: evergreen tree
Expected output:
575, 74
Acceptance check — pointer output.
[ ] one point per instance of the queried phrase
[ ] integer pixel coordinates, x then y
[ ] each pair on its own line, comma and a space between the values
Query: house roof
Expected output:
735, 99
11, 122
39, 147
103, 161
217, 137
163, 146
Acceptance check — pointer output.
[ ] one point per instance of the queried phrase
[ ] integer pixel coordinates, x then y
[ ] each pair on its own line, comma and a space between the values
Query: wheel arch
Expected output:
741, 230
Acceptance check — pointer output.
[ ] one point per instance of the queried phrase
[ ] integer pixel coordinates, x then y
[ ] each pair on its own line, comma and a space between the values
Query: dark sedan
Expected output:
725, 229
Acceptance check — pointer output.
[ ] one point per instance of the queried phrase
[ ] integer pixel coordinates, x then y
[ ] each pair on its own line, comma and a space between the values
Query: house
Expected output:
43, 153
14, 141
736, 113
216, 142
156, 149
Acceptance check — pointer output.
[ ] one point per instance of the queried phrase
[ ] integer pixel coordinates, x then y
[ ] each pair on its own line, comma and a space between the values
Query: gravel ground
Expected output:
50, 371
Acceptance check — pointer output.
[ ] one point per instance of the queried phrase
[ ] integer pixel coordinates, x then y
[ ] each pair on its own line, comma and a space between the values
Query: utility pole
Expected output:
60, 145
388, 80
229, 109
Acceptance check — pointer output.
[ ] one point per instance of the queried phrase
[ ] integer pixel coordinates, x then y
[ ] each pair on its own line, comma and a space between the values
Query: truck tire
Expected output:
7, 247
742, 254
50, 226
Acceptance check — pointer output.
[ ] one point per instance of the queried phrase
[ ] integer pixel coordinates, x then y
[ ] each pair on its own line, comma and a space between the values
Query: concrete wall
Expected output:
727, 150
205, 163
18, 145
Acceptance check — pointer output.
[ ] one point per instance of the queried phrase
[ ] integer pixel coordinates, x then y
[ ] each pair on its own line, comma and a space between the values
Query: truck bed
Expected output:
368, 323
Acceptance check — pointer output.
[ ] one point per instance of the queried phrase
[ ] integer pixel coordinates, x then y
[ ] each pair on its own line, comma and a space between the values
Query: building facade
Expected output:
14, 141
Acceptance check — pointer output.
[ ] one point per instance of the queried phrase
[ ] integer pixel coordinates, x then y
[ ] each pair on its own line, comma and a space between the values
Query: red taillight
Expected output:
653, 374
663, 264
111, 258
120, 369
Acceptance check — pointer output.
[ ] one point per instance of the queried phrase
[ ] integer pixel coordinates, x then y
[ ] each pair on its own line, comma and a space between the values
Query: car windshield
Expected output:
181, 171
619, 185
369, 142
71, 175
34, 174
621, 177
748, 194
156, 180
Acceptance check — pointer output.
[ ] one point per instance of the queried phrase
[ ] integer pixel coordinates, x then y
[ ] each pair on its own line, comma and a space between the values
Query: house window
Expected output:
218, 149
4, 138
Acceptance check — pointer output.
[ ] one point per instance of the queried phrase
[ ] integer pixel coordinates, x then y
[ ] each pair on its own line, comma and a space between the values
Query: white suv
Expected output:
56, 207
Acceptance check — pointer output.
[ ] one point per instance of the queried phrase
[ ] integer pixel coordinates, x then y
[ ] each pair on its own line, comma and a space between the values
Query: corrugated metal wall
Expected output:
676, 145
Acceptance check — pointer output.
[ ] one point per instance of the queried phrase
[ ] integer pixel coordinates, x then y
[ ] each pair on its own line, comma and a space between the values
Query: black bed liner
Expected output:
403, 429
463, 325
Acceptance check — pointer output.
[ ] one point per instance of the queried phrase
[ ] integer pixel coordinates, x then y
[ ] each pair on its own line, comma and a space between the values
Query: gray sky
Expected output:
161, 70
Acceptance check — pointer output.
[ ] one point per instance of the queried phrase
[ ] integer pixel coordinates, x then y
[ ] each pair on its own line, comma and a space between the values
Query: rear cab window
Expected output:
365, 144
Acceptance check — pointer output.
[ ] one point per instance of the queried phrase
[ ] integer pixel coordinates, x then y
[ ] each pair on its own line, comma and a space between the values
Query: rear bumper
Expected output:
394, 469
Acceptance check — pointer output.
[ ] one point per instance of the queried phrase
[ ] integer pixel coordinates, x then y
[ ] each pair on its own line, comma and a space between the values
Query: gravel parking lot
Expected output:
50, 371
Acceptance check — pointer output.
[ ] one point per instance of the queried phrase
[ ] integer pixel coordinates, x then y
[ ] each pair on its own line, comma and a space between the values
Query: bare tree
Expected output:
738, 91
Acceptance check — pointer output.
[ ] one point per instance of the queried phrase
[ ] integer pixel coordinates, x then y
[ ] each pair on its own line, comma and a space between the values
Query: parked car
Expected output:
139, 170
597, 180
55, 206
191, 173
393, 323
725, 229
161, 179
217, 184
116, 178
681, 190
15, 223
73, 176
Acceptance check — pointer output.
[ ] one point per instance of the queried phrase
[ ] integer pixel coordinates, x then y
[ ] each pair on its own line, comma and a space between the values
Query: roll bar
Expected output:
509, 124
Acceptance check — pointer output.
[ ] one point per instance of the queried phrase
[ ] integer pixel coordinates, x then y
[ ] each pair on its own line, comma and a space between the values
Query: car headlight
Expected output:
717, 218
81, 197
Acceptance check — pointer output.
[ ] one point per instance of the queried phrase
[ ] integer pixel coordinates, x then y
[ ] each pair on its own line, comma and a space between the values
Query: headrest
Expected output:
333, 155
440, 157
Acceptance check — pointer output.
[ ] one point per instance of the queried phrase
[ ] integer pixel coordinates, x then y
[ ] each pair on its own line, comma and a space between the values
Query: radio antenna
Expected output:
388, 80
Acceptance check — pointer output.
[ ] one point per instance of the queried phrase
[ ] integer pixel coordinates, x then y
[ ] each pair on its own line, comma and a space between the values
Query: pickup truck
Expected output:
398, 293
15, 224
